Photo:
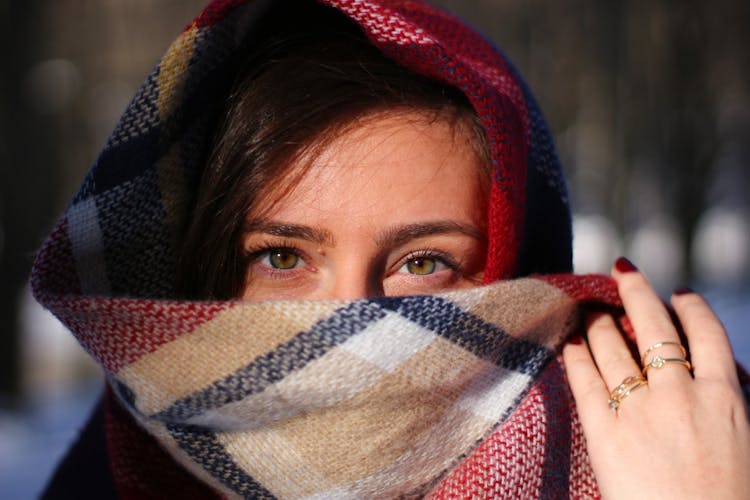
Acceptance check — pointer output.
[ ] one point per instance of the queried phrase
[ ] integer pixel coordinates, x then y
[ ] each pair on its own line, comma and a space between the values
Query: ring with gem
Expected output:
623, 390
658, 362
662, 344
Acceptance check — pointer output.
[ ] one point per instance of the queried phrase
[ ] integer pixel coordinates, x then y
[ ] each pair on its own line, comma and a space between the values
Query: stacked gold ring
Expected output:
658, 361
662, 344
625, 388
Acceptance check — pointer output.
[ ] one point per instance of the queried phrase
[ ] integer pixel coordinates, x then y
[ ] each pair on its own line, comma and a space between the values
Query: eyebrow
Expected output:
402, 234
389, 238
316, 235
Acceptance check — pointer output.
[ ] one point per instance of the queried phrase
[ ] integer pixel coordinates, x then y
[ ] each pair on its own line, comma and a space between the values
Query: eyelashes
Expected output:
428, 261
253, 253
284, 257
279, 259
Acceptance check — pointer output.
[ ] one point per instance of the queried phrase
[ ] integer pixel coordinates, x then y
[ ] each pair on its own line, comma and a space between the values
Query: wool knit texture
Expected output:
458, 395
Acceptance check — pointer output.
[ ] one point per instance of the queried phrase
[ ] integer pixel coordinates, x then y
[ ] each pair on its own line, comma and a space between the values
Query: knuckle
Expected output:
619, 362
660, 324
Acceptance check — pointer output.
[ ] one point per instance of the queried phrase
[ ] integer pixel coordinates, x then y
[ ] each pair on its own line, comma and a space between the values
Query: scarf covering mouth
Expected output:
454, 395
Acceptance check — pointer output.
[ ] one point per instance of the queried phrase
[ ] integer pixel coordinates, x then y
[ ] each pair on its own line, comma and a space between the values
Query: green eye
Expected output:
421, 266
283, 259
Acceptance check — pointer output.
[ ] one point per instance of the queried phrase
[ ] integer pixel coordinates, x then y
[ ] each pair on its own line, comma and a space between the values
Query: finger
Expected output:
710, 350
589, 391
650, 321
610, 352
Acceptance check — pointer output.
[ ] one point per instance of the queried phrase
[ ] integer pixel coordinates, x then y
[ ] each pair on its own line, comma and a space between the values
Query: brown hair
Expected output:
297, 91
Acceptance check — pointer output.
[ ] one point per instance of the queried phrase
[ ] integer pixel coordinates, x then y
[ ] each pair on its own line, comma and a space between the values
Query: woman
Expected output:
279, 156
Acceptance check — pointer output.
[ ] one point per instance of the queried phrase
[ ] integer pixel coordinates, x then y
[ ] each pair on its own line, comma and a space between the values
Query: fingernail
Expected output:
576, 340
683, 290
624, 265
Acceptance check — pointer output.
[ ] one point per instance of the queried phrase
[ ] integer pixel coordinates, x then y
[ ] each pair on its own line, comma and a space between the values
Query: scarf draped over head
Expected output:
452, 395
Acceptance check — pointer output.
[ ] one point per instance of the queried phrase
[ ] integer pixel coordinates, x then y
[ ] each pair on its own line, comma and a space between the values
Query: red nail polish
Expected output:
683, 290
576, 339
624, 265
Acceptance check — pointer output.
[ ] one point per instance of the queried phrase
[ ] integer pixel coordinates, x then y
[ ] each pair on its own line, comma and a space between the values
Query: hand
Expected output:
679, 436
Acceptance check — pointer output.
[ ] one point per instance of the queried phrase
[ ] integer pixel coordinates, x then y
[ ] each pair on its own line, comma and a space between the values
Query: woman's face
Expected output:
395, 205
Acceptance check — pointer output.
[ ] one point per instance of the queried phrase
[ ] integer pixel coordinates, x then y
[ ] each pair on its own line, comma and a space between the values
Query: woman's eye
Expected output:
421, 266
281, 258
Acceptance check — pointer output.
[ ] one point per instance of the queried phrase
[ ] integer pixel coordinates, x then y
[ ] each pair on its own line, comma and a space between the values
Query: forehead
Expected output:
405, 160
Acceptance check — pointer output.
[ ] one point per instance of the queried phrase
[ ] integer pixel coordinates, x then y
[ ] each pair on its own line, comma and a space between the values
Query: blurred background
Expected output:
649, 101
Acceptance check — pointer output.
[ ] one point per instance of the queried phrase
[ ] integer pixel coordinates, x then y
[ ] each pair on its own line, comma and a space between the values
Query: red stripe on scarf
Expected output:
215, 12
510, 462
117, 332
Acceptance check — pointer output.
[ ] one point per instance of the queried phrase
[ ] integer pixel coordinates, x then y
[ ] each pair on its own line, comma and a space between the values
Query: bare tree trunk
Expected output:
27, 179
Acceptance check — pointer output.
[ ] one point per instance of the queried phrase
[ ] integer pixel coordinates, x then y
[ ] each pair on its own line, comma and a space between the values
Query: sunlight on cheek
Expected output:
411, 284
295, 284
264, 282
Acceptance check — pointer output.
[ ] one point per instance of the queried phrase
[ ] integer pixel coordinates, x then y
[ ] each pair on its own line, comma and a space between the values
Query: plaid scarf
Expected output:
453, 395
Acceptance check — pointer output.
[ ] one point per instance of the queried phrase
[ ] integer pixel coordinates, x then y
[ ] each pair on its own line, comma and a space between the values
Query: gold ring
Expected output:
623, 390
662, 344
658, 362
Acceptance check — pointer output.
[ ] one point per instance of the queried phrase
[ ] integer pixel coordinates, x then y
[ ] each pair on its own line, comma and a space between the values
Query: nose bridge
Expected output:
355, 279
356, 284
